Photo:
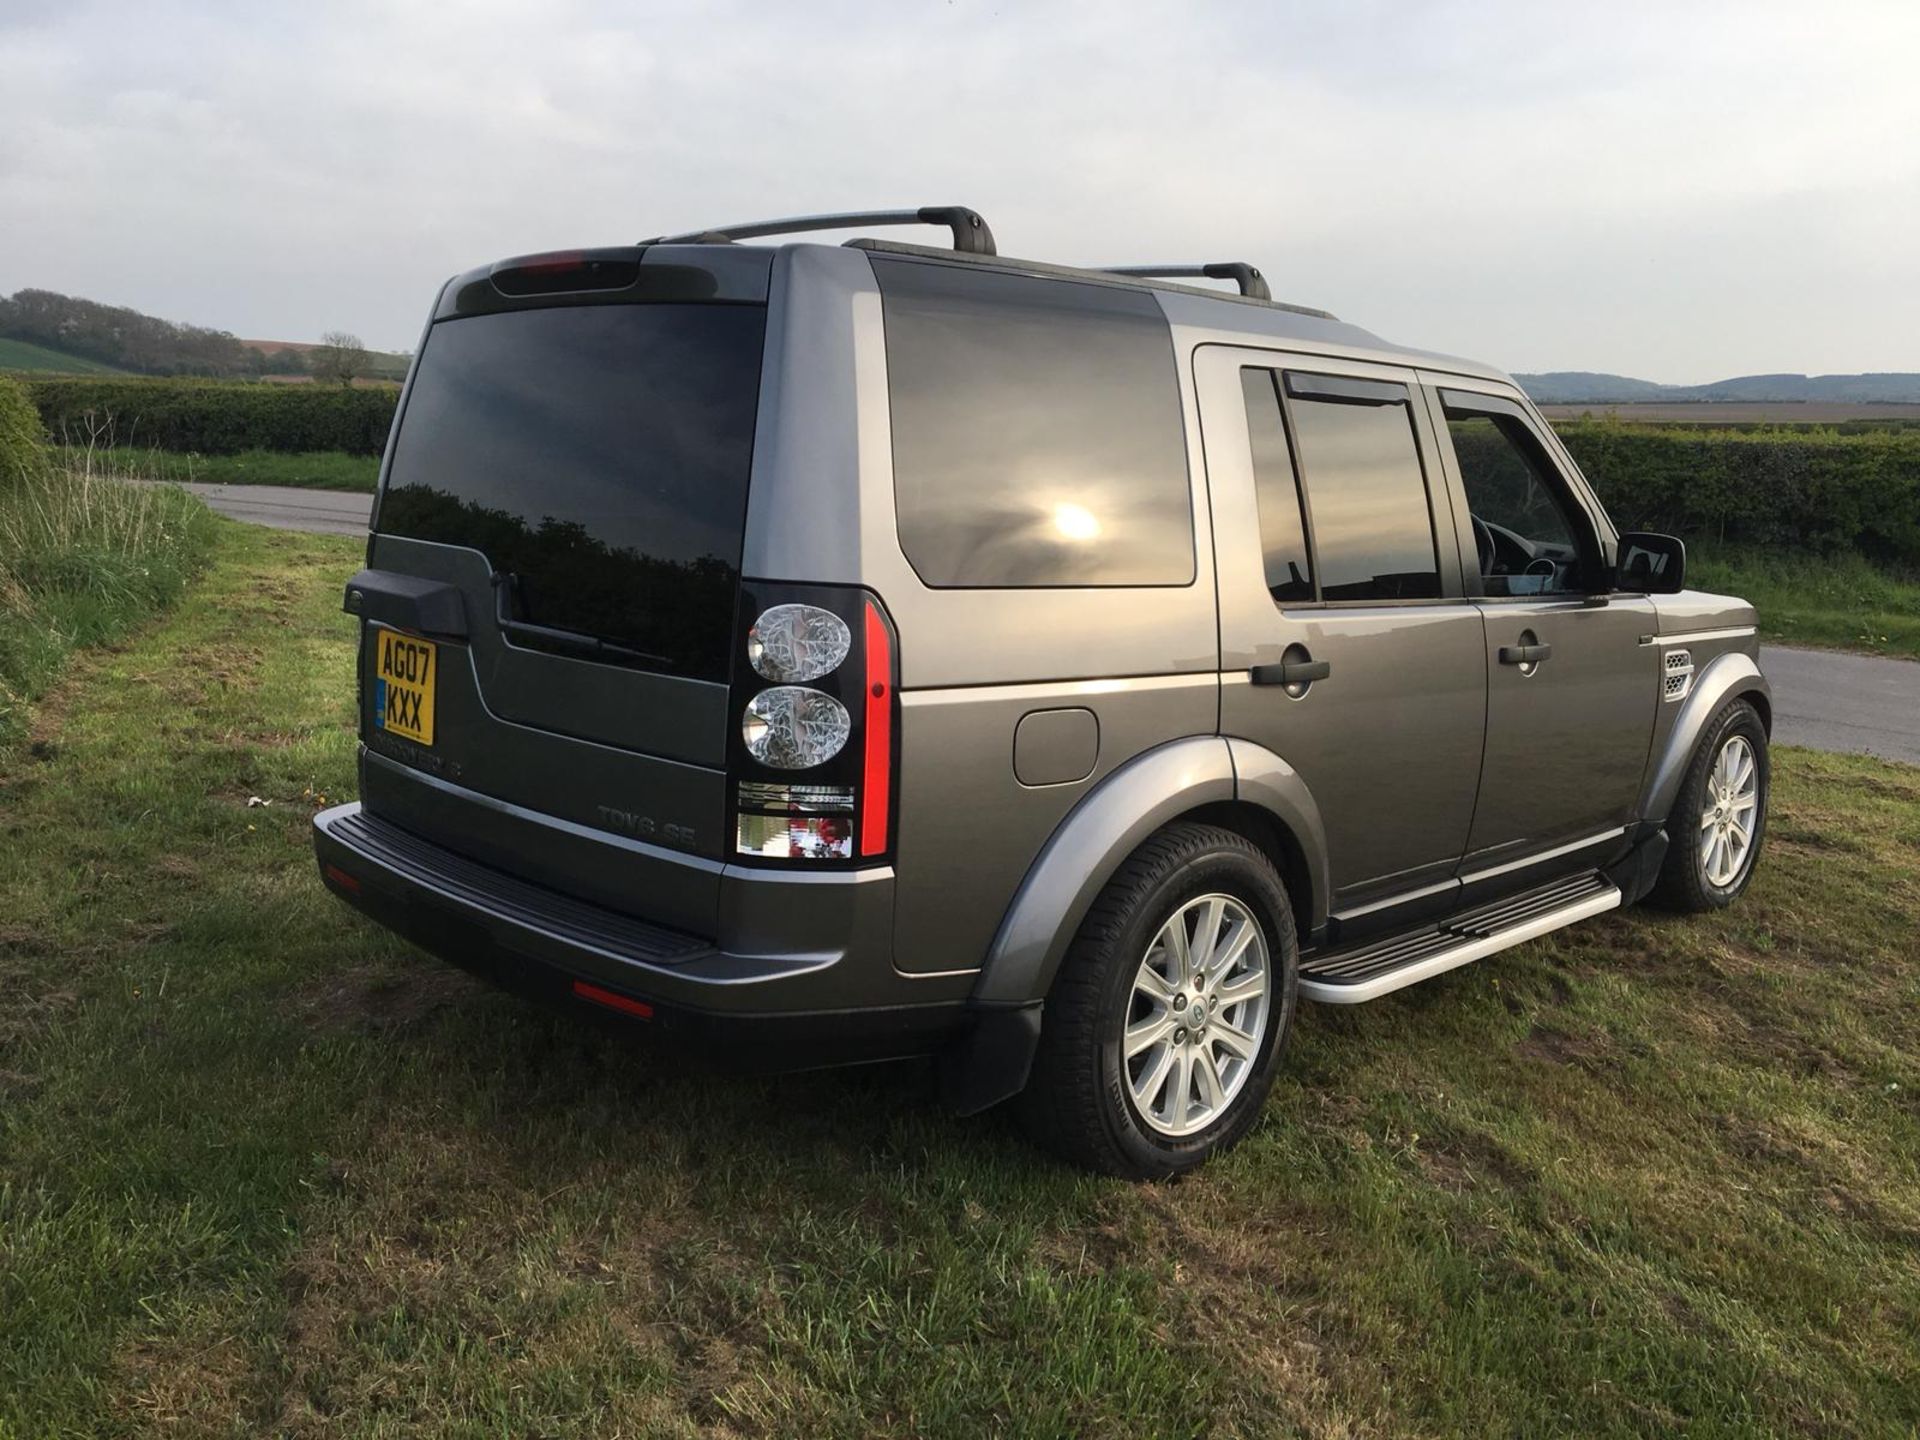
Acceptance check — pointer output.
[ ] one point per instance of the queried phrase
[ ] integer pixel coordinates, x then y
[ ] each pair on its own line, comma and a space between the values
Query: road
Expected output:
1859, 704
287, 507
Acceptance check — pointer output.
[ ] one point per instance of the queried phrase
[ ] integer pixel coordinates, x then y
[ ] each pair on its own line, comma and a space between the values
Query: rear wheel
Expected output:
1720, 816
1171, 1009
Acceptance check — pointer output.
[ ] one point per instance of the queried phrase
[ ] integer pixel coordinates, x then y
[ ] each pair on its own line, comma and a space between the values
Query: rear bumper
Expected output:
829, 995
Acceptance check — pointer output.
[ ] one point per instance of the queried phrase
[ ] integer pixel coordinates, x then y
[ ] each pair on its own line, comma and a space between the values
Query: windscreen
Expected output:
597, 455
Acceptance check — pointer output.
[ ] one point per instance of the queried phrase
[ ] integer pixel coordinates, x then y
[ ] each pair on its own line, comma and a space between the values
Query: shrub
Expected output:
212, 417
21, 436
1777, 488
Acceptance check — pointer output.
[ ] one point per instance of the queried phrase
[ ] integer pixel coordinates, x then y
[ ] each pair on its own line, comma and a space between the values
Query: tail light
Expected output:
814, 727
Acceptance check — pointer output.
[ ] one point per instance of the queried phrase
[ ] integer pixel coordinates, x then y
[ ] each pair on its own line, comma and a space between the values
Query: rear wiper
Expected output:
506, 584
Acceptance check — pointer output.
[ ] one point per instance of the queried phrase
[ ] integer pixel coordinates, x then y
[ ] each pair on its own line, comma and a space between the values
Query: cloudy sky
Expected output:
1676, 191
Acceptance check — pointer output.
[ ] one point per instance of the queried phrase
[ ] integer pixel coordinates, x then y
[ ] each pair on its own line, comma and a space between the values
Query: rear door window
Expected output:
1366, 492
1037, 433
1283, 531
597, 454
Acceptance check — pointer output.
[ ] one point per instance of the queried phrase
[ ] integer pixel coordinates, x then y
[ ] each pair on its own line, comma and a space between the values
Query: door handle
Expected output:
1525, 654
1292, 672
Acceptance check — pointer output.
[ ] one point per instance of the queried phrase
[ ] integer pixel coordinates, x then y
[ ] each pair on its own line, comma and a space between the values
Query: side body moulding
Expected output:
1720, 680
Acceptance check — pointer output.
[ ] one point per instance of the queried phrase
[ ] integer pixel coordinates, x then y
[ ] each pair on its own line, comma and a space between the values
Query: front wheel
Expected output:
1720, 816
1171, 1010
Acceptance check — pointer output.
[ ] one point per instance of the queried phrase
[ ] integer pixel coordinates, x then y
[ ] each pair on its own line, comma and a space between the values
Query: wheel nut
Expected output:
1179, 1002
1180, 1036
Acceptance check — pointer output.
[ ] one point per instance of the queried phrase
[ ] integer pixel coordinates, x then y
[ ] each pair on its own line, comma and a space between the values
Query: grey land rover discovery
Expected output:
841, 652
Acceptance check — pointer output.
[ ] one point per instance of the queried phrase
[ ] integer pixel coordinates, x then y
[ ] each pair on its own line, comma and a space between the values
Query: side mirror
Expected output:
1649, 562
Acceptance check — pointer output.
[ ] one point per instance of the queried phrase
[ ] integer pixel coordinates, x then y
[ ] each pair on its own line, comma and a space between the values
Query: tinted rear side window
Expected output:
1037, 436
1372, 531
1283, 533
599, 454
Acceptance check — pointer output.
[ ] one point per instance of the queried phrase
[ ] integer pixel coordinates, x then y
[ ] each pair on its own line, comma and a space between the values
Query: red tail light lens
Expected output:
876, 776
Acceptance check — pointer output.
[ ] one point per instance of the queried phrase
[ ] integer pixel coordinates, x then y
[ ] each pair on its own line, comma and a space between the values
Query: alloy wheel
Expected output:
1730, 812
1197, 1015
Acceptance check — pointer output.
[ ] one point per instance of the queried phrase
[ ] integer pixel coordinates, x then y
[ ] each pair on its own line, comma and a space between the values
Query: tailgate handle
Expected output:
407, 602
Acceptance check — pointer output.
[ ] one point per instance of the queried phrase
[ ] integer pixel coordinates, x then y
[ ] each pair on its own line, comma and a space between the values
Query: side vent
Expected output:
1678, 679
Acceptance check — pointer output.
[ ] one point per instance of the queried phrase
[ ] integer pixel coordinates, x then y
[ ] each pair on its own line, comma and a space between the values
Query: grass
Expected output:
1834, 602
314, 470
265, 1169
83, 557
21, 355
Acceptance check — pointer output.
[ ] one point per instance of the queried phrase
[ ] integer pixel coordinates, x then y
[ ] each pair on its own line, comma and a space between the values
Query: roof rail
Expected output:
1250, 280
970, 232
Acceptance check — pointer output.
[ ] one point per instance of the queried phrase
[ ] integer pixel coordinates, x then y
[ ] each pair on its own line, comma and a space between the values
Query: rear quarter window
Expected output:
1037, 436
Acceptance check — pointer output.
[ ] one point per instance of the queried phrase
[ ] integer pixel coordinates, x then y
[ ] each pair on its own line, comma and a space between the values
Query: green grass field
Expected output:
264, 1169
20, 355
1831, 602
317, 470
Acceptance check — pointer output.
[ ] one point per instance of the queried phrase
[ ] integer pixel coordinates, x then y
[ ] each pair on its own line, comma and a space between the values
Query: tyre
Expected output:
1720, 816
1171, 1009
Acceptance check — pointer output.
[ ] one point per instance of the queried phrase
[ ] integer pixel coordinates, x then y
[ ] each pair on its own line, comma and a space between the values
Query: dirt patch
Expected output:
381, 1000
1558, 1047
190, 1383
1461, 1161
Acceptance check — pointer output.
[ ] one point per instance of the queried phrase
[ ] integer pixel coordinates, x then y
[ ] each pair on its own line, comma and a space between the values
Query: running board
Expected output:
1346, 977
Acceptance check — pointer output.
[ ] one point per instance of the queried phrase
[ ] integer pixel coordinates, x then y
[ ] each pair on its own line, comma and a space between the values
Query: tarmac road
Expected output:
288, 507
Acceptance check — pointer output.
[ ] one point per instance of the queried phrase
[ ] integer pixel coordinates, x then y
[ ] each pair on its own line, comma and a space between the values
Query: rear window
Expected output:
1366, 493
599, 454
1037, 437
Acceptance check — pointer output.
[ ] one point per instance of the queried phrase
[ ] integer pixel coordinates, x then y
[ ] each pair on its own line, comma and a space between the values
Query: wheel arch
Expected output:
1732, 676
1229, 782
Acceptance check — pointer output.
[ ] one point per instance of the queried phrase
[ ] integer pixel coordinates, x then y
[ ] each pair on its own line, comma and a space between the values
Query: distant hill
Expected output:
387, 364
1586, 387
21, 355
47, 331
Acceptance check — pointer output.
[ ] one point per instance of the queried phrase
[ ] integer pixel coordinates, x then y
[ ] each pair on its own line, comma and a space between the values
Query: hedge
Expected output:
212, 417
1805, 489
20, 436
1785, 489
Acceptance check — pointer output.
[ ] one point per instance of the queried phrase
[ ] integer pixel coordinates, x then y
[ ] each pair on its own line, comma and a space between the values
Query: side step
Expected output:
1346, 977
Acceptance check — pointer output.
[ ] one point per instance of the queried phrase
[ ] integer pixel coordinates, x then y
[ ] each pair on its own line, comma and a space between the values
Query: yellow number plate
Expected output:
404, 675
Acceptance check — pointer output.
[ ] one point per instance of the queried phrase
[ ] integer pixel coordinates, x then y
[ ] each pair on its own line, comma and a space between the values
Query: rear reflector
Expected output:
877, 736
341, 878
624, 1003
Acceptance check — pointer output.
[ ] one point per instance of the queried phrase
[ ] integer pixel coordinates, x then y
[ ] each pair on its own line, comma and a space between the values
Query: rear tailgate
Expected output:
572, 463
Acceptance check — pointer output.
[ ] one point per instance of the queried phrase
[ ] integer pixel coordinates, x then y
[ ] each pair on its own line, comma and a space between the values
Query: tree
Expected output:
339, 357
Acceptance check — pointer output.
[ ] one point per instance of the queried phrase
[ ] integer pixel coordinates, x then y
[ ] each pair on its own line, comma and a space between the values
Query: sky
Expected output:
1676, 191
